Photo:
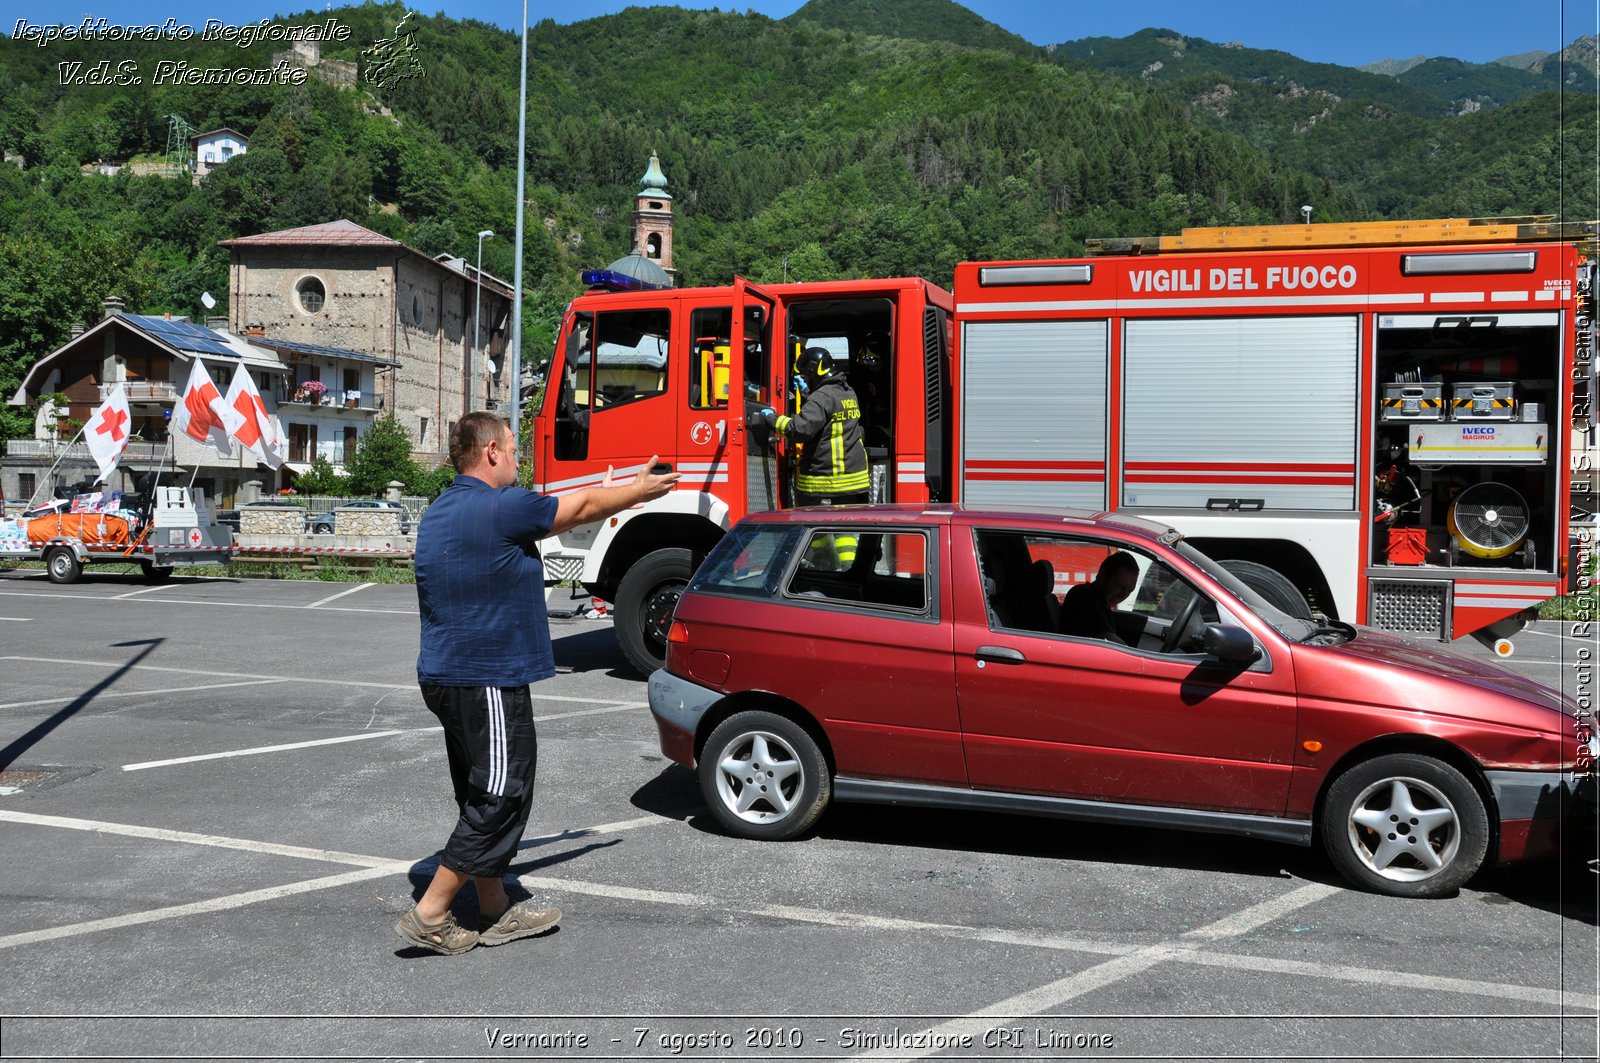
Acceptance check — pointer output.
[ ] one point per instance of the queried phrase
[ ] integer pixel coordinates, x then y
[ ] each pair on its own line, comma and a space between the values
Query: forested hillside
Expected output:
823, 145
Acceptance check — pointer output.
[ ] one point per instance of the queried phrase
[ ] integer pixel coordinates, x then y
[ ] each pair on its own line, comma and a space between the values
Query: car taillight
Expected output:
678, 633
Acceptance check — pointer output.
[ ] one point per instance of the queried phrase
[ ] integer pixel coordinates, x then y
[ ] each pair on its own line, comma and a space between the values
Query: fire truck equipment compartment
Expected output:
1483, 401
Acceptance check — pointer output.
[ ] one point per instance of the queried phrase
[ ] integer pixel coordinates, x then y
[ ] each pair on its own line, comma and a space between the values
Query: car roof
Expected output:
1029, 518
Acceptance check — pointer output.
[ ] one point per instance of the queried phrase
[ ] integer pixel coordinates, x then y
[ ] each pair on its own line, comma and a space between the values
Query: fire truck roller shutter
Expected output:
1261, 411
1034, 428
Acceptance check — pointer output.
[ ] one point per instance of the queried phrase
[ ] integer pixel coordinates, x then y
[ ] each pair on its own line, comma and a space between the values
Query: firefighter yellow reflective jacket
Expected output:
829, 424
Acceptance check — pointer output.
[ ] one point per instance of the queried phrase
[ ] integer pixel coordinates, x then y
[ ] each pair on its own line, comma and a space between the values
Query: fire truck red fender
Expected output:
677, 504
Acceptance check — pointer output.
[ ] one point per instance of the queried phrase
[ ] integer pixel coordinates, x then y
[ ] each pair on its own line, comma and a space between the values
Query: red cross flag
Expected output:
259, 431
202, 415
108, 429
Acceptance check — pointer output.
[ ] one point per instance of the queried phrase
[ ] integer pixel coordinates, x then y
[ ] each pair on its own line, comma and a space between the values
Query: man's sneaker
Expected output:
521, 920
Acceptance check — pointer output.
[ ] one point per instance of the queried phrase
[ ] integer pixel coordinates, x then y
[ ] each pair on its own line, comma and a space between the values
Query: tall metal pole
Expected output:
516, 277
477, 329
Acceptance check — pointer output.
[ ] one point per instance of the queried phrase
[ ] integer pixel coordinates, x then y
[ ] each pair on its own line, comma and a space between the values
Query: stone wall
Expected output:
271, 520
380, 522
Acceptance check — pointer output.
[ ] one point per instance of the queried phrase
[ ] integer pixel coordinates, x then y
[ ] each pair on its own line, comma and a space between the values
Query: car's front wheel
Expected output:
764, 776
1406, 825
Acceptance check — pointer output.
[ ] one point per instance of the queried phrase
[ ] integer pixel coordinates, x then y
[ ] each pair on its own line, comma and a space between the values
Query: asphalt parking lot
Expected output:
221, 794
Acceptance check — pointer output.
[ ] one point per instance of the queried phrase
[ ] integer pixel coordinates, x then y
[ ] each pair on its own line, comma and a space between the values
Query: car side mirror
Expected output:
1226, 642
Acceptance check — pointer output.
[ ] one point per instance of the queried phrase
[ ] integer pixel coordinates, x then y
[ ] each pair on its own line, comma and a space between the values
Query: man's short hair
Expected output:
471, 434
1121, 561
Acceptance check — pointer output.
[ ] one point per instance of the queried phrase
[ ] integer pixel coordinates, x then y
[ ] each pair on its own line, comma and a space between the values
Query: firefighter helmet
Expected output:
816, 364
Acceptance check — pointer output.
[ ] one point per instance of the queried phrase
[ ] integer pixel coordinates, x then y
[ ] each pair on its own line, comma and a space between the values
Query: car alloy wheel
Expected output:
1406, 825
764, 776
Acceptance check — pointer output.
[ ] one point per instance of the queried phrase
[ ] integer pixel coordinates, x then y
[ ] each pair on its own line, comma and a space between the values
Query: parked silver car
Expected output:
322, 524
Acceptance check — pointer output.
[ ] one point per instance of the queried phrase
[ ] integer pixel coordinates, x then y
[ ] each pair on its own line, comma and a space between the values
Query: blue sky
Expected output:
1350, 32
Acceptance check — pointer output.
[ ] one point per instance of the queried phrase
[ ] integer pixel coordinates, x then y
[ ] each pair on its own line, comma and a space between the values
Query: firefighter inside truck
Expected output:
859, 335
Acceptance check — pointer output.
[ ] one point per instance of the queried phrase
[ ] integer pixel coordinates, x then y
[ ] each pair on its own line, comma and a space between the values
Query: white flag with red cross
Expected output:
259, 432
201, 413
108, 429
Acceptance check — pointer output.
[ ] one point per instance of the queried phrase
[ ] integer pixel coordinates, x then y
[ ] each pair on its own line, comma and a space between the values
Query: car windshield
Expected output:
1290, 627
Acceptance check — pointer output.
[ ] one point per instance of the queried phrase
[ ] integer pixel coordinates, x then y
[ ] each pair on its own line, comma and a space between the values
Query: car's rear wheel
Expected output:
646, 599
1406, 825
764, 776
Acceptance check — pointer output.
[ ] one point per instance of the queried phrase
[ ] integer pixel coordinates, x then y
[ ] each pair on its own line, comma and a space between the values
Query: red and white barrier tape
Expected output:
394, 552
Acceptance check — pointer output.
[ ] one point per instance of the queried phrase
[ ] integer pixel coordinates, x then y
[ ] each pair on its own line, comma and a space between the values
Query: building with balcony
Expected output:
151, 358
326, 398
436, 331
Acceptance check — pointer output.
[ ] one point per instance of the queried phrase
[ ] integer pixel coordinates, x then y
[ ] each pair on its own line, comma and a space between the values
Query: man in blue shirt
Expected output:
485, 637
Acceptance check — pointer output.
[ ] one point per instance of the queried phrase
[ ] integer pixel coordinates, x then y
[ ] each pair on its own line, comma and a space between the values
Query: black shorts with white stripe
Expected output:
493, 751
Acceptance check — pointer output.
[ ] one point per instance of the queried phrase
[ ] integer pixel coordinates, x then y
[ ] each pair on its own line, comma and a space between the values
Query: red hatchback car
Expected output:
1096, 667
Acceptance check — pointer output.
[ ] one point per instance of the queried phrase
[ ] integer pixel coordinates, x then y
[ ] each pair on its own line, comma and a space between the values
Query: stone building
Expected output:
339, 284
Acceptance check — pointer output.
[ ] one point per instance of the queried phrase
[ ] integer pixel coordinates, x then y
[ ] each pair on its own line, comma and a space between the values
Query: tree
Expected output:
382, 454
320, 479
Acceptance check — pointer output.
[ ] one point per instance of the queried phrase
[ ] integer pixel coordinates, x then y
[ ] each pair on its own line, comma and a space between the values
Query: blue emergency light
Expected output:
612, 281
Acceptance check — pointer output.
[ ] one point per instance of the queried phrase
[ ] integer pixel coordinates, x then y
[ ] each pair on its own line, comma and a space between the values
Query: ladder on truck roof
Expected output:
1321, 235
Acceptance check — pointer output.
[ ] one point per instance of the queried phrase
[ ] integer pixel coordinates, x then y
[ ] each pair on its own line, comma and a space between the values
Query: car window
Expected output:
750, 560
1091, 589
841, 564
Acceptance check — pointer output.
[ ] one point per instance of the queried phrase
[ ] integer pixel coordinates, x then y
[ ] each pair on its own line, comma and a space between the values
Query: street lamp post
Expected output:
477, 329
516, 283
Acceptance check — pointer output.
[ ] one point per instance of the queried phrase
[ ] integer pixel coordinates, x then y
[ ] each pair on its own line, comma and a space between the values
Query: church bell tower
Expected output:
651, 219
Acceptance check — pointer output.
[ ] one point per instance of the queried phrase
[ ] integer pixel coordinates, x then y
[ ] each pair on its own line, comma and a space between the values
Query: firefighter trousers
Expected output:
493, 751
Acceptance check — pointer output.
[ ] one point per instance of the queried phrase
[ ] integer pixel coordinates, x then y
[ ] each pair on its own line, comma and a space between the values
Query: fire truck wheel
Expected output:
62, 566
1272, 585
764, 777
1406, 825
154, 573
645, 601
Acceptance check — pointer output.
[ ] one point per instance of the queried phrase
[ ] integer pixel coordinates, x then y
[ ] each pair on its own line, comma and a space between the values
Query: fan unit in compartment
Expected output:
1489, 520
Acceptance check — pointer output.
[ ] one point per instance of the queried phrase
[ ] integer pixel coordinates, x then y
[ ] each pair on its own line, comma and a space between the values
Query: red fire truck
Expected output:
1368, 421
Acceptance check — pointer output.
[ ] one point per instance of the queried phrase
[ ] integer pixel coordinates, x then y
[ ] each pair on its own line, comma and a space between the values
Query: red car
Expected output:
991, 660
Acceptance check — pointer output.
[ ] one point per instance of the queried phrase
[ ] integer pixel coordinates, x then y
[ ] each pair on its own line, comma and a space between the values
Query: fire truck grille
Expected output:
560, 569
1414, 607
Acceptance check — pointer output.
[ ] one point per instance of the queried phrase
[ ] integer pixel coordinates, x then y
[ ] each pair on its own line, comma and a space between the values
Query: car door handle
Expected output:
999, 653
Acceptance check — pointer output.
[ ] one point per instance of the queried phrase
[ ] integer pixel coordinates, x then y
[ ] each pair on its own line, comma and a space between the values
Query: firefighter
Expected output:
831, 470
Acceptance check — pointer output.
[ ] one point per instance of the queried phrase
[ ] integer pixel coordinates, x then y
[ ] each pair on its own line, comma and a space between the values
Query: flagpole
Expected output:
57, 462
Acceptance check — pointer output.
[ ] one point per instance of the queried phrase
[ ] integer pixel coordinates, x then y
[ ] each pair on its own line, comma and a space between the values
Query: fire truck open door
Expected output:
749, 457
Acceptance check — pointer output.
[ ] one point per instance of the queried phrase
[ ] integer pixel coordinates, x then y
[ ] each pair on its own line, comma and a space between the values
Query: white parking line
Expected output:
1054, 994
1129, 959
216, 841
259, 749
138, 693
17, 619
230, 604
141, 590
213, 674
371, 867
341, 594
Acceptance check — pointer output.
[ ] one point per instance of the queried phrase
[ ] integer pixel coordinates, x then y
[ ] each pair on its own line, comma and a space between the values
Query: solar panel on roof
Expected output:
184, 335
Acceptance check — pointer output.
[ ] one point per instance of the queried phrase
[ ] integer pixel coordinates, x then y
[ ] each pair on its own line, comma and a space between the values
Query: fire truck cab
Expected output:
677, 372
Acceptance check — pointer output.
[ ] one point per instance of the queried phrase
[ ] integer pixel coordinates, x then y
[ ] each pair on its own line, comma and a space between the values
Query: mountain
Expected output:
1164, 56
1521, 61
1395, 67
920, 20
